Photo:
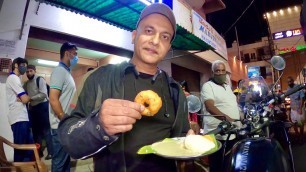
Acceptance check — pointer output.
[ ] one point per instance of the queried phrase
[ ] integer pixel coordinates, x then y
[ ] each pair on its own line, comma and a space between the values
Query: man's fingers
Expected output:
119, 120
111, 130
124, 103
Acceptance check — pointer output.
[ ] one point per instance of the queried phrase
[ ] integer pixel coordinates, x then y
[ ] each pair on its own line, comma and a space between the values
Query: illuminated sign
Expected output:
292, 49
287, 33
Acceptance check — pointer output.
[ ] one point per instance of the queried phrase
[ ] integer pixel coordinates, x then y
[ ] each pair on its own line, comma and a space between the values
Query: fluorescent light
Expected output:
145, 2
47, 62
116, 60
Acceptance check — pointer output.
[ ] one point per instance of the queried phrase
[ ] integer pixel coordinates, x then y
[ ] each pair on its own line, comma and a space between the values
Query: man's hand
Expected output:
118, 116
229, 119
195, 127
190, 132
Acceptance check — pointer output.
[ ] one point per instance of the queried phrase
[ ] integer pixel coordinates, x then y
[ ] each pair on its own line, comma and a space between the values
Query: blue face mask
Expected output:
22, 69
74, 61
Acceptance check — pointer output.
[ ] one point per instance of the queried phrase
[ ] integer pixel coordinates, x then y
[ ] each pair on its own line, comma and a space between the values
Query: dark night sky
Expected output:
251, 27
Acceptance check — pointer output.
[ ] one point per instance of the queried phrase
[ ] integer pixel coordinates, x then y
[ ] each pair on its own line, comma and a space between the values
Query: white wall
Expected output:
5, 128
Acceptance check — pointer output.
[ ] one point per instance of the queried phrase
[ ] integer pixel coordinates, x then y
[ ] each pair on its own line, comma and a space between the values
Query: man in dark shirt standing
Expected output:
107, 123
36, 87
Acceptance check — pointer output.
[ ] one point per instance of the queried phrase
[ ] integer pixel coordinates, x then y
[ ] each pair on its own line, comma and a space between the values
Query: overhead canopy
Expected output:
124, 14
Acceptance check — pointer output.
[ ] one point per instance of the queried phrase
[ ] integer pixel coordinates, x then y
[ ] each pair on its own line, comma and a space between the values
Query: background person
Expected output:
192, 117
18, 117
62, 89
36, 87
220, 100
107, 124
297, 115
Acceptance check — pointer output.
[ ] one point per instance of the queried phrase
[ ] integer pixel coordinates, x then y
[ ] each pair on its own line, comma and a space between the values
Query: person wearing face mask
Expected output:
36, 88
220, 104
18, 118
62, 89
297, 115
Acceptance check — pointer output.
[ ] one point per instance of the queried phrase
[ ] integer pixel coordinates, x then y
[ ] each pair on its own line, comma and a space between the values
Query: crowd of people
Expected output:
101, 119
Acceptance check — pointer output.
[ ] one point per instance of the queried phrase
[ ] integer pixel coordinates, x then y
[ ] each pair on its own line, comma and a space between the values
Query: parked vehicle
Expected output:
263, 144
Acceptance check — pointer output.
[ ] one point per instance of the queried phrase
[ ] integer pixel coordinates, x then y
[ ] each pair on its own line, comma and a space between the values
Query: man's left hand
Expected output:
190, 132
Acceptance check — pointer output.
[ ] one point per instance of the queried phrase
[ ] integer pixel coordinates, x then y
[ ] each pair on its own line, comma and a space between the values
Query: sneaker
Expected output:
48, 157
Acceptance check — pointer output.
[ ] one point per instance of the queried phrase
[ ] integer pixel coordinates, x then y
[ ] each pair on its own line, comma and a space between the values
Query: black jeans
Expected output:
39, 117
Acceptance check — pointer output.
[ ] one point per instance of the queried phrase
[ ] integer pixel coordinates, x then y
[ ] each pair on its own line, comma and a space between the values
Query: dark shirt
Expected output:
149, 129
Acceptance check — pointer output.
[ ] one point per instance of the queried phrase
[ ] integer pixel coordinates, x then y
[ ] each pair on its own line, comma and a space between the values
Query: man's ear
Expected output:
66, 54
134, 33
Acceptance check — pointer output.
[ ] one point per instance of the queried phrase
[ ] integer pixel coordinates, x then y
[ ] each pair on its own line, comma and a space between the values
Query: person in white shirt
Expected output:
18, 116
219, 102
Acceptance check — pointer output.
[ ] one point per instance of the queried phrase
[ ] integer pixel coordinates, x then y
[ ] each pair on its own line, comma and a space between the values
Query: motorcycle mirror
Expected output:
278, 63
194, 104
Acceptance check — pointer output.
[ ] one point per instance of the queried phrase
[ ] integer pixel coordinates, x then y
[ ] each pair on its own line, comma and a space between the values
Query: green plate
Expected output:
172, 148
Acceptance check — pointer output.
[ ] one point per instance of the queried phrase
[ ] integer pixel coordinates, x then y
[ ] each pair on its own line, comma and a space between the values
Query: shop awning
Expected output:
124, 14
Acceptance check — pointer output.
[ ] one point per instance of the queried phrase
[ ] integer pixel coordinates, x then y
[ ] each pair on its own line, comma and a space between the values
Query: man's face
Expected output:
152, 39
30, 73
290, 81
71, 53
219, 69
22, 68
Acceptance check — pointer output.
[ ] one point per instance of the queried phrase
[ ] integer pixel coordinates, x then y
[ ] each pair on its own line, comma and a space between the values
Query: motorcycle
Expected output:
258, 147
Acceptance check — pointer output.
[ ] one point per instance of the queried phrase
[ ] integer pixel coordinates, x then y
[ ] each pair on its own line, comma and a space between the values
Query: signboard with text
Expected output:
287, 33
7, 47
208, 34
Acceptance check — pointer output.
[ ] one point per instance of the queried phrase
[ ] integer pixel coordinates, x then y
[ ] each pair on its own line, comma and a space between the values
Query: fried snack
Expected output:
150, 100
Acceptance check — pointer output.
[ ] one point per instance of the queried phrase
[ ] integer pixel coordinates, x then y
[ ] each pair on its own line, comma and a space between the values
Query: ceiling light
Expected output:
116, 60
47, 62
145, 2
289, 10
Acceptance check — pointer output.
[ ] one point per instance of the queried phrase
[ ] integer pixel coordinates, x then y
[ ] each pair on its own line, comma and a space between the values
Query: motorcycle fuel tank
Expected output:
258, 155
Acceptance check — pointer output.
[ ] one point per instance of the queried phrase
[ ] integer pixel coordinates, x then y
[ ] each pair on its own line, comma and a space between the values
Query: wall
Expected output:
5, 128
239, 69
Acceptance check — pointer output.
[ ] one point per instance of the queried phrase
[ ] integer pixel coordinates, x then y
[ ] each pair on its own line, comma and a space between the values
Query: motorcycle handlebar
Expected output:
264, 124
222, 128
293, 90
288, 93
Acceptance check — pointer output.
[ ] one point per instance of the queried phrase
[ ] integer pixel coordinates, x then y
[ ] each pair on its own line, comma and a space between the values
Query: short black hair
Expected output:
66, 47
18, 61
291, 78
30, 66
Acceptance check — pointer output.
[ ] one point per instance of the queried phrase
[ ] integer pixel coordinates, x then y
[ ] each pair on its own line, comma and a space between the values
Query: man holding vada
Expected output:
107, 124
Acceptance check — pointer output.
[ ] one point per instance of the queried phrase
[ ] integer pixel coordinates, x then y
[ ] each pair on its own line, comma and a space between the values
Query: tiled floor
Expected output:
76, 165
